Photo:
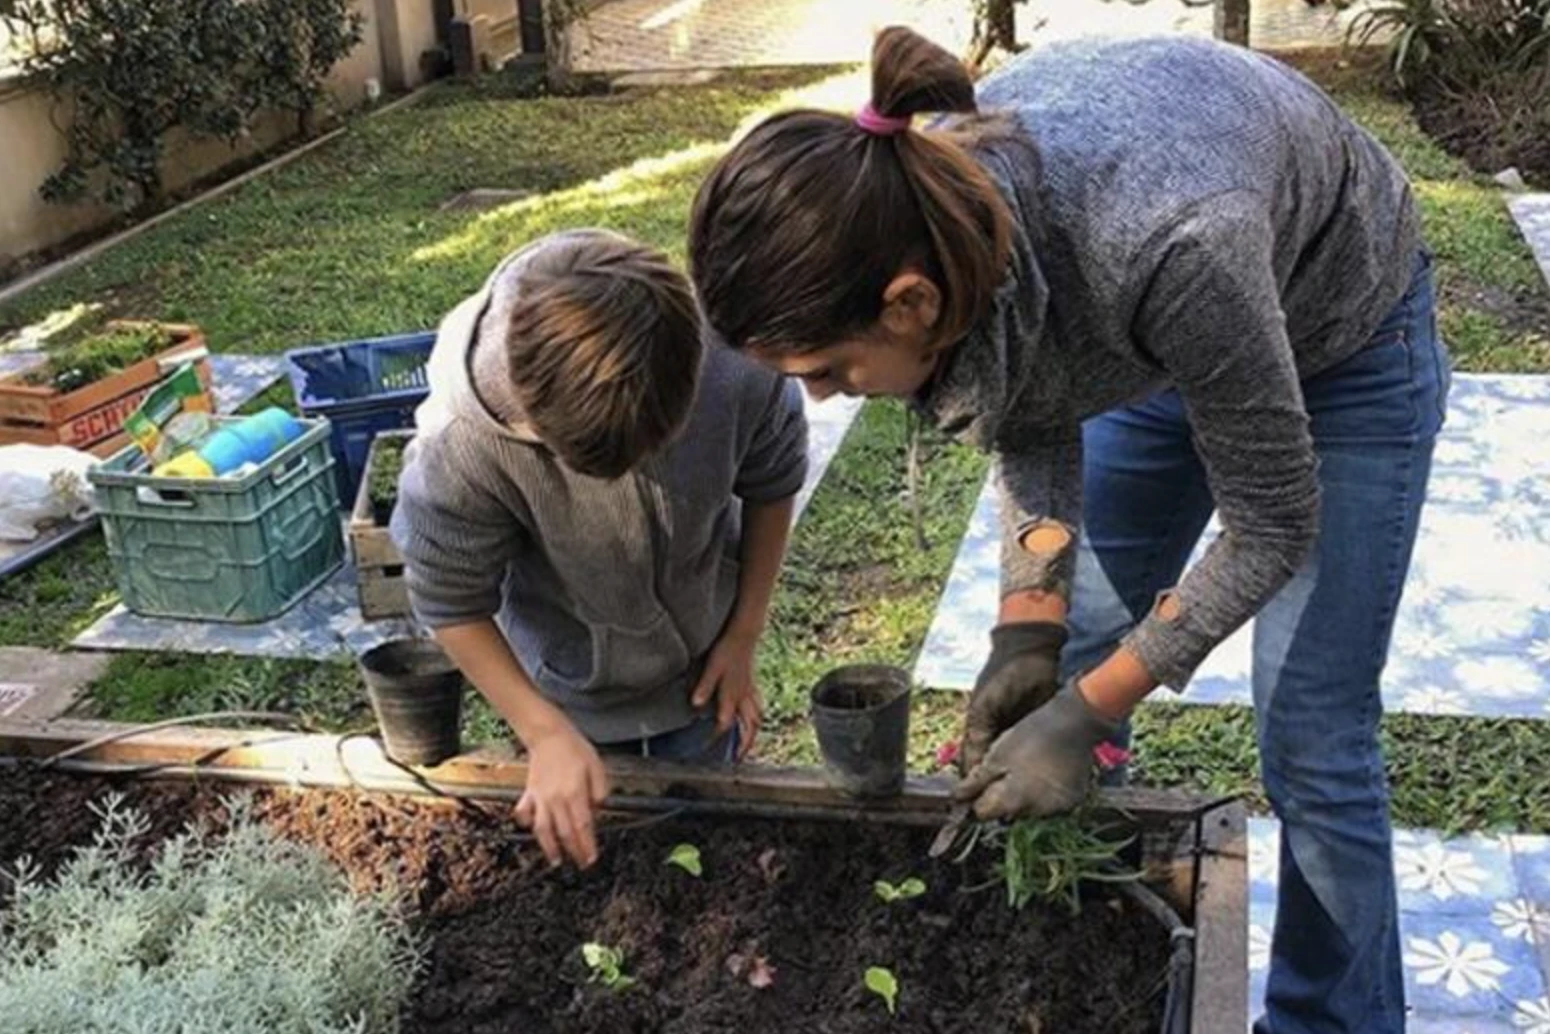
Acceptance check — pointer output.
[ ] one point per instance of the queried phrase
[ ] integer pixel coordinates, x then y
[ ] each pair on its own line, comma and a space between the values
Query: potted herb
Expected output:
81, 394
387, 462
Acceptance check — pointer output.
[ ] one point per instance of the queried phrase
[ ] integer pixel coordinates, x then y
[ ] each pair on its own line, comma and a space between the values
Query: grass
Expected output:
857, 587
1494, 307
349, 241
1445, 773
52, 603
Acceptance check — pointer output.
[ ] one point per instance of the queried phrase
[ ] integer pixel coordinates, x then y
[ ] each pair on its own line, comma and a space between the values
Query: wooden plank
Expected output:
1220, 1003
381, 595
379, 581
1231, 21
106, 448
370, 542
374, 547
326, 760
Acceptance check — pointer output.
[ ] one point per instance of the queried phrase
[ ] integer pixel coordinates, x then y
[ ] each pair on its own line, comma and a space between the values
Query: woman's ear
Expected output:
912, 306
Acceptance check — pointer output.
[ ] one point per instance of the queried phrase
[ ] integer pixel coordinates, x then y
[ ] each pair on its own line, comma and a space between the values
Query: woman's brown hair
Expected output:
800, 228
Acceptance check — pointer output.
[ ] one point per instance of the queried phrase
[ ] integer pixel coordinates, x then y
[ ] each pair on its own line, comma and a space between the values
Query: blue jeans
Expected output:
1319, 645
696, 742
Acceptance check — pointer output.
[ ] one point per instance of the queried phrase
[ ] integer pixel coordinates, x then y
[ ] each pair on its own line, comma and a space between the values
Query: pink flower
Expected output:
1109, 756
947, 754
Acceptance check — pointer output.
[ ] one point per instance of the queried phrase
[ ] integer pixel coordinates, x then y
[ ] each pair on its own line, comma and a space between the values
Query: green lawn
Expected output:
1495, 308
349, 241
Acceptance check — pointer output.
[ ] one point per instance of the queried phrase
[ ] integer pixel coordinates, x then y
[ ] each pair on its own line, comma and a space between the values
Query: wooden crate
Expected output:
379, 566
92, 417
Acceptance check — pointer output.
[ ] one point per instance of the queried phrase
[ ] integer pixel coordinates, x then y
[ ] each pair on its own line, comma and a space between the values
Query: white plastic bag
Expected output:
39, 483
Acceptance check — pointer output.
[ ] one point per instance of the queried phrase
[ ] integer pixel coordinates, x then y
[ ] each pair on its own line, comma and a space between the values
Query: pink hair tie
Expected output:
872, 121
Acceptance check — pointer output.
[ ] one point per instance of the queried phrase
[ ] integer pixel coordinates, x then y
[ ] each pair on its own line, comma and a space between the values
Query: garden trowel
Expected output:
948, 835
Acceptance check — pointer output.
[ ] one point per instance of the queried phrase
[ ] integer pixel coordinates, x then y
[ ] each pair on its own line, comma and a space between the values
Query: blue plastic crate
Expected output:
362, 387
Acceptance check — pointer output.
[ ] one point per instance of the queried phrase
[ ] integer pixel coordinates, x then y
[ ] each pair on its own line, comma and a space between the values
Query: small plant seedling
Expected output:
882, 983
887, 892
1051, 858
607, 966
687, 858
387, 464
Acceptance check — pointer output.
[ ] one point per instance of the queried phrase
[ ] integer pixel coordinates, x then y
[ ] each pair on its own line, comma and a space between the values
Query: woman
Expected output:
1168, 276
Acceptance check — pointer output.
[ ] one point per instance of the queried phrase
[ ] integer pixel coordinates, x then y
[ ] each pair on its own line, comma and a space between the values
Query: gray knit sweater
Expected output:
610, 592
1192, 215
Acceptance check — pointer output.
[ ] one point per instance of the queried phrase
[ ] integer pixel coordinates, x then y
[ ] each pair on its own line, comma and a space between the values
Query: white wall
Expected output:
394, 35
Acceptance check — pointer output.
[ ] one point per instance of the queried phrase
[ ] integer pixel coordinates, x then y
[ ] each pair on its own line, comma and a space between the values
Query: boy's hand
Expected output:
729, 678
566, 782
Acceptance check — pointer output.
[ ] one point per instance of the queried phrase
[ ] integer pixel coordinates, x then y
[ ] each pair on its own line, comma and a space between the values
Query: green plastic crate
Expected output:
223, 549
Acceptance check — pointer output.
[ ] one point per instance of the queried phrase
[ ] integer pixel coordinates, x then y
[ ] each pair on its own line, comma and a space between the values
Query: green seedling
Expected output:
93, 358
687, 858
881, 982
607, 966
387, 463
1051, 858
888, 893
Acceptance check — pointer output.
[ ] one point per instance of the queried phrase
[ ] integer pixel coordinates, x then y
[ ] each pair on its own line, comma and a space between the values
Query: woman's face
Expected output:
895, 356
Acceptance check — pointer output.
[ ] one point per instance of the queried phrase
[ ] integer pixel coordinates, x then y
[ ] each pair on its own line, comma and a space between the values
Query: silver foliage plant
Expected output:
237, 933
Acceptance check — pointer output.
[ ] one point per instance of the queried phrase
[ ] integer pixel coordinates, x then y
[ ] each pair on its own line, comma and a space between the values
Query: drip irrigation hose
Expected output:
1181, 958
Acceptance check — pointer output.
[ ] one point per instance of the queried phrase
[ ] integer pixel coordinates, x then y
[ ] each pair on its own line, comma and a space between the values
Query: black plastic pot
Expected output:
862, 716
417, 694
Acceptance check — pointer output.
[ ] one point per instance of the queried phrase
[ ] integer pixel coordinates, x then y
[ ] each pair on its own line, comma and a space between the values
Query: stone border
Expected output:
1532, 214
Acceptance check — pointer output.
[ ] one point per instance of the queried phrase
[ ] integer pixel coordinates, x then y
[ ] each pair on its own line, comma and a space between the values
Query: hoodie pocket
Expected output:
641, 657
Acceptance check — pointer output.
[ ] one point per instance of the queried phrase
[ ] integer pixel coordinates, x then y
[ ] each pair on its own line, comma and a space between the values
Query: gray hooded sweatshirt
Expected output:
1189, 215
609, 592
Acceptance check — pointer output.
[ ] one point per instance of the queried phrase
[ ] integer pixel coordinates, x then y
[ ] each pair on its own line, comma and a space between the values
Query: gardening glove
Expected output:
1022, 673
1041, 766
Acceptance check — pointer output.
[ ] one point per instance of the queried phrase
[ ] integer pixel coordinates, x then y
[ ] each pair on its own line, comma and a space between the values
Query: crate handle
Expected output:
296, 466
155, 497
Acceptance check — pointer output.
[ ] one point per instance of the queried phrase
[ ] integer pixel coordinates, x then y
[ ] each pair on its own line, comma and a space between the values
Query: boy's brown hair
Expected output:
604, 351
799, 229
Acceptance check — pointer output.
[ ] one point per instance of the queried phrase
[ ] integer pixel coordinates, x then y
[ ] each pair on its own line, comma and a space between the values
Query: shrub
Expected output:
1462, 43
1479, 71
242, 933
125, 72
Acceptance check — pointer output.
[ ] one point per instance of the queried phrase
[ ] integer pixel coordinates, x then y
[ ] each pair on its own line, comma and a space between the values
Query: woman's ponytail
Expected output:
799, 229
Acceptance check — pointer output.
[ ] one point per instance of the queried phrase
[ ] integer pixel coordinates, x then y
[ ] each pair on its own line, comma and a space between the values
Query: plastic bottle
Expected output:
251, 440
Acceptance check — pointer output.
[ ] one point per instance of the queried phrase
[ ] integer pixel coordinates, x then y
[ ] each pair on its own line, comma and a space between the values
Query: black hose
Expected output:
1181, 959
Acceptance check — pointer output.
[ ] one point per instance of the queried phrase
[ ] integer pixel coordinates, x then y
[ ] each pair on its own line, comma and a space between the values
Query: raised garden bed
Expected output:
785, 895
82, 394
379, 566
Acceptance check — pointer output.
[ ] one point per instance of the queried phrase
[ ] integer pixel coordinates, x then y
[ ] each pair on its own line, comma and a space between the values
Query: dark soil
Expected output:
1524, 311
788, 898
1500, 125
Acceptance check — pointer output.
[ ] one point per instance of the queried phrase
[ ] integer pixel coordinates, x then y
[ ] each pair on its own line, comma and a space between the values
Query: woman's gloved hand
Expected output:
1022, 673
1041, 766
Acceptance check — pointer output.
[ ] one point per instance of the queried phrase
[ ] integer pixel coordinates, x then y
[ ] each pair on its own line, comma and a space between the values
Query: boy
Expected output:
570, 521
